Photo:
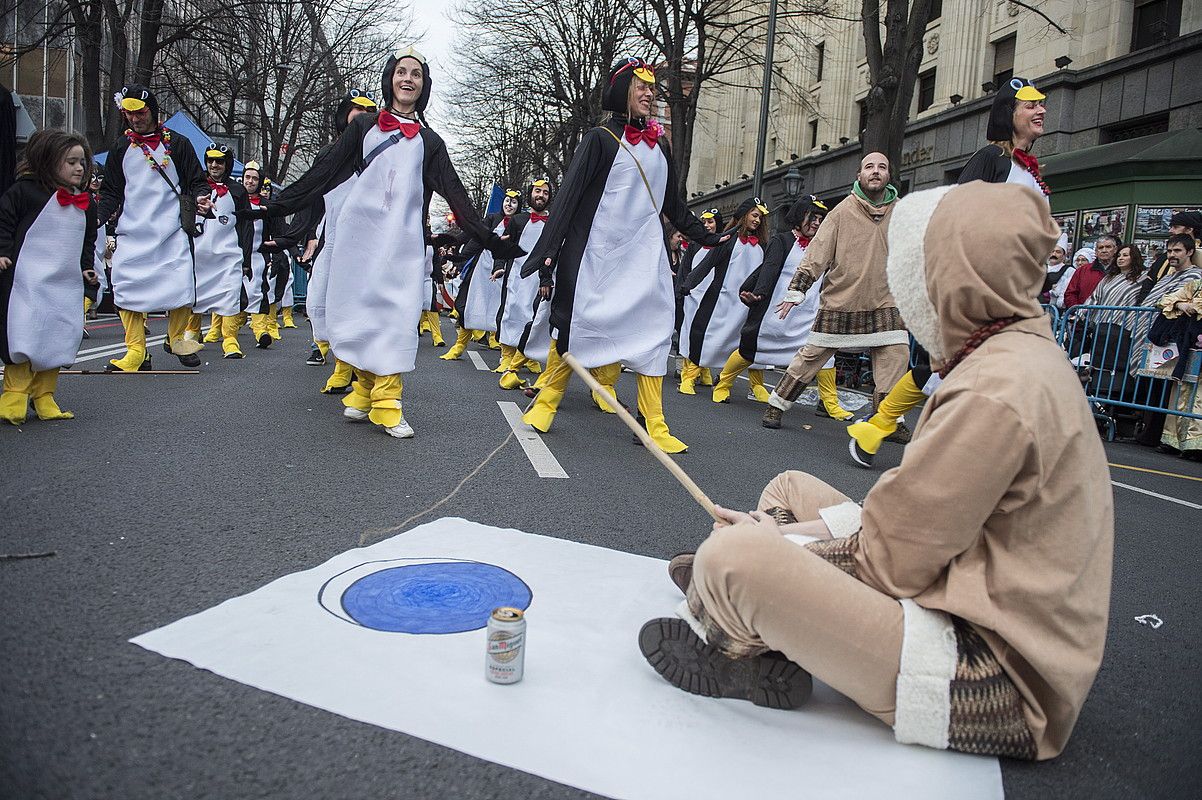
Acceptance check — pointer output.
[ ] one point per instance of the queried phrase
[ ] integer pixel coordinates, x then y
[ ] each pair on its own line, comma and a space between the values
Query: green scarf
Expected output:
890, 195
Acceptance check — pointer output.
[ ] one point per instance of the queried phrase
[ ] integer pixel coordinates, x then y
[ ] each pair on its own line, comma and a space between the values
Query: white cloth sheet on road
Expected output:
589, 713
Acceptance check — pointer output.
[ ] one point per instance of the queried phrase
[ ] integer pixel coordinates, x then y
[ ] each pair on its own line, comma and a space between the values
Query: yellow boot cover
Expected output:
651, 406
828, 395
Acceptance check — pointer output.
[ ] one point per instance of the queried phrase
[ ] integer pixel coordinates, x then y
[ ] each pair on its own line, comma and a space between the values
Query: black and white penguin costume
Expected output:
518, 294
224, 244
479, 296
377, 272
692, 252
712, 331
152, 268
613, 296
991, 163
614, 302
51, 239
766, 340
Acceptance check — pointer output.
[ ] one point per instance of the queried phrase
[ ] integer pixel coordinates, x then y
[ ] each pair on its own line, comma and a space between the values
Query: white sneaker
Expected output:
354, 414
401, 430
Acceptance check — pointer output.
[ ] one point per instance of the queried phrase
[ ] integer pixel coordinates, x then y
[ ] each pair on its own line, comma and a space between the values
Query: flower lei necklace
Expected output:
165, 136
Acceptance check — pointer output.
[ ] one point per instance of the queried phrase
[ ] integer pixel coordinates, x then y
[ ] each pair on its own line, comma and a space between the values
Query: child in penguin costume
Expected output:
711, 328
768, 340
47, 240
613, 300
520, 296
374, 294
224, 247
690, 373
1015, 123
322, 214
478, 300
148, 169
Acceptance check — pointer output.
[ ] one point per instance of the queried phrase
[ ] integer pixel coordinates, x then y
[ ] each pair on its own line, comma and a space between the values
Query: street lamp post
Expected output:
793, 183
765, 99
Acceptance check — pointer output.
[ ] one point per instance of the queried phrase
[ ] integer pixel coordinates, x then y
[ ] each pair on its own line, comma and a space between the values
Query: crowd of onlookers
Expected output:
1112, 341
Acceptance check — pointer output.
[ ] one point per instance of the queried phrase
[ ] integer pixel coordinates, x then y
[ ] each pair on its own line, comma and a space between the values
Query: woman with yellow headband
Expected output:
378, 263
614, 302
711, 332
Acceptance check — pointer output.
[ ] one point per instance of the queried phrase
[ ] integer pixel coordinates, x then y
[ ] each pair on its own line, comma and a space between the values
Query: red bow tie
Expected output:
537, 217
221, 189
387, 122
80, 201
650, 134
751, 240
255, 200
1027, 161
151, 140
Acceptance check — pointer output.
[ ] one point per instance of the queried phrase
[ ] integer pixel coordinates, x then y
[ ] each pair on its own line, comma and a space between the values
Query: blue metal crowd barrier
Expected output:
1108, 345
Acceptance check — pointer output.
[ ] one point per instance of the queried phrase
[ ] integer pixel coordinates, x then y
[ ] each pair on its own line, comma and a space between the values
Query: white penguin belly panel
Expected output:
254, 284
45, 308
152, 266
315, 300
483, 293
520, 292
692, 302
219, 261
780, 339
374, 293
728, 315
623, 309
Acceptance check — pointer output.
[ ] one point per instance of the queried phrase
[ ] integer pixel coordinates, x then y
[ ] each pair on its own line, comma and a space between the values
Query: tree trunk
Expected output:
893, 71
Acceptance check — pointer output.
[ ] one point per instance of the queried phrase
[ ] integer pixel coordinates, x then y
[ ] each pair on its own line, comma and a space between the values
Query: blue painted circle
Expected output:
443, 597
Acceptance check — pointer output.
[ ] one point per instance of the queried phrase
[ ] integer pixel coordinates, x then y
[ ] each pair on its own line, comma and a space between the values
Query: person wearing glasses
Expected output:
223, 251
1015, 123
378, 265
148, 169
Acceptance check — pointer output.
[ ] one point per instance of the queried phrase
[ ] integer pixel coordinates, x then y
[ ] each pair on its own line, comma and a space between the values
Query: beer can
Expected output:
505, 655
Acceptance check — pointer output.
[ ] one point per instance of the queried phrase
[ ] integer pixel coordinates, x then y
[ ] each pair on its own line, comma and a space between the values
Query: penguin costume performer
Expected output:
766, 340
47, 241
323, 214
224, 245
1004, 160
378, 265
712, 331
520, 296
478, 300
686, 303
614, 302
150, 174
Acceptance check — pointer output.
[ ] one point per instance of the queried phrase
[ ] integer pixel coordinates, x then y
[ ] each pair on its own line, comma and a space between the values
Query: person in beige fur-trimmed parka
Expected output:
965, 603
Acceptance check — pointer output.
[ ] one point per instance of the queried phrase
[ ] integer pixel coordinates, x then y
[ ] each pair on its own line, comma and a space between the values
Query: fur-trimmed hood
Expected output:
963, 256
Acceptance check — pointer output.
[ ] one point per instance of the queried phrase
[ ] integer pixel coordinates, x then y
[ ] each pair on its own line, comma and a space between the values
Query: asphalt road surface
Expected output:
169, 494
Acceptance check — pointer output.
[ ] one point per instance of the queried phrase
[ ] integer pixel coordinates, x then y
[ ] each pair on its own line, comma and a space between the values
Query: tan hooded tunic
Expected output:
1001, 512
850, 250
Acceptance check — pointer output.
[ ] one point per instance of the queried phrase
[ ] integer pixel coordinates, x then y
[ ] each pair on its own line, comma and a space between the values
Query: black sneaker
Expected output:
859, 454
688, 663
316, 359
264, 341
190, 360
167, 347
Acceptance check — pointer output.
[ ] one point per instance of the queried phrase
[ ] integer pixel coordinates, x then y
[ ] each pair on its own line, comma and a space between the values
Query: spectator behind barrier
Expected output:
1081, 259
1124, 285
1084, 281
1180, 250
1189, 223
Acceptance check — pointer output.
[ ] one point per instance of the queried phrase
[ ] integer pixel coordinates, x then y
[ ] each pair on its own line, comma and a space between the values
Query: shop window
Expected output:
926, 90
1003, 60
1155, 22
